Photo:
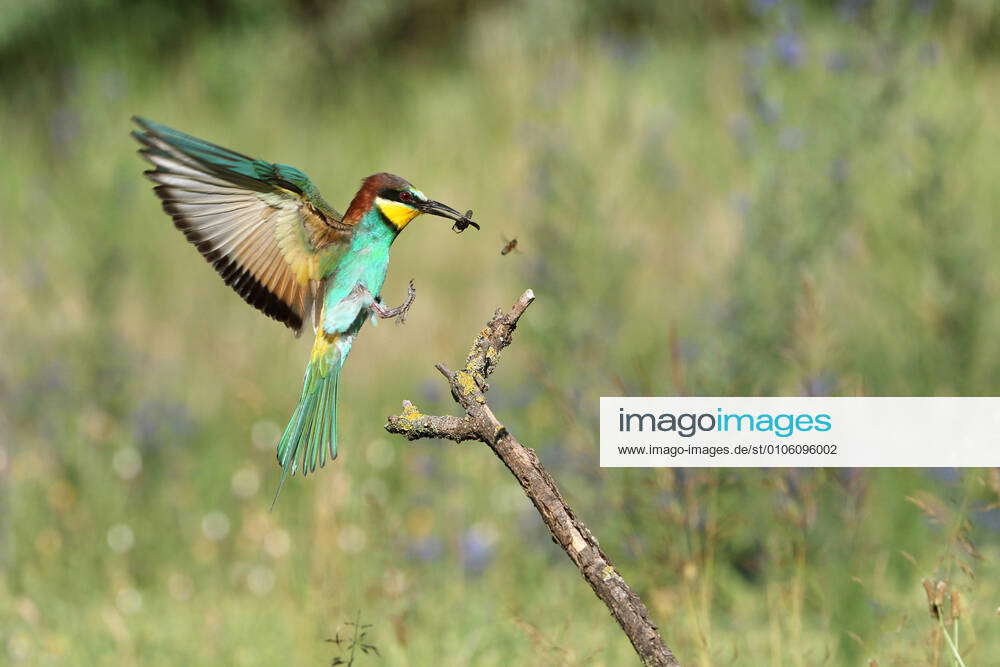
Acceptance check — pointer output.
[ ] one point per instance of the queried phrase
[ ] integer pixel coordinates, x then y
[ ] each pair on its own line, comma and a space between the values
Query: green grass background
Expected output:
731, 198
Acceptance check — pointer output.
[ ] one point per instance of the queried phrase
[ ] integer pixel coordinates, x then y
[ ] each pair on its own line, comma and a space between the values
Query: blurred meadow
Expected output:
721, 198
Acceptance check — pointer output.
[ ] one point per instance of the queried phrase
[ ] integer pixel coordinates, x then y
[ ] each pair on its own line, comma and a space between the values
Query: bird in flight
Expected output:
273, 238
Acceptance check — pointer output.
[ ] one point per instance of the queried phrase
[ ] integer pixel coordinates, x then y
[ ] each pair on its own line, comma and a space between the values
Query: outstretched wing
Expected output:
263, 226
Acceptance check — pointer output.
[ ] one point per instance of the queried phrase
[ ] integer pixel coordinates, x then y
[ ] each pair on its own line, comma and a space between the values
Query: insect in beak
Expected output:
461, 221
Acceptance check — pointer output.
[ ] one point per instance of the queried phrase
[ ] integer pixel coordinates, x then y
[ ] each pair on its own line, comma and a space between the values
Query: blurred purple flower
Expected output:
430, 391
761, 7
789, 49
822, 384
478, 549
989, 518
849, 9
156, 423
944, 474
426, 549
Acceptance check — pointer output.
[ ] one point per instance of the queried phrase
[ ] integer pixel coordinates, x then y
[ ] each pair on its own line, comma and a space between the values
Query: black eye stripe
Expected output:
404, 196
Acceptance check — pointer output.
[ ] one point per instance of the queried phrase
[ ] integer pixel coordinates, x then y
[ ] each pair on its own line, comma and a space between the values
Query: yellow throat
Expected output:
399, 214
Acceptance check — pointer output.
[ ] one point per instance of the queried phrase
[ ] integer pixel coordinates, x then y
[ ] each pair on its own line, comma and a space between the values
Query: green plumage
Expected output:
313, 425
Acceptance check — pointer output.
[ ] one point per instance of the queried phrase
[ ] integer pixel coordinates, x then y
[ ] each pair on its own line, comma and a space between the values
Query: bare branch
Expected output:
469, 387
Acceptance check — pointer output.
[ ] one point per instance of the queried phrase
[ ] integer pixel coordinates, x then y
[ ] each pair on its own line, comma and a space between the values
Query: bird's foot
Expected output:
399, 311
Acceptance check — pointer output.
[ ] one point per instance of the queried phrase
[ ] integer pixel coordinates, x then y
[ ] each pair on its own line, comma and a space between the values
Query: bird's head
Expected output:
398, 201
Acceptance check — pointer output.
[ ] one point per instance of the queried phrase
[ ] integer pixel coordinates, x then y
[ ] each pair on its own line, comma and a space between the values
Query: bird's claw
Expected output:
399, 311
404, 308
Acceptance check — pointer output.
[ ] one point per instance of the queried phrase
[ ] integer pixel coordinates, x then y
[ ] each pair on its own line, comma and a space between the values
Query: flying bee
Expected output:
509, 246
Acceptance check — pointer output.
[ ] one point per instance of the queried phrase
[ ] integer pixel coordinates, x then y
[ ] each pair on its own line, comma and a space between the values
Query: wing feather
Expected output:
264, 227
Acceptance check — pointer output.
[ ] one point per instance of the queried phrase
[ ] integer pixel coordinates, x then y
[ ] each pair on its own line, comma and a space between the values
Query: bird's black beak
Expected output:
445, 211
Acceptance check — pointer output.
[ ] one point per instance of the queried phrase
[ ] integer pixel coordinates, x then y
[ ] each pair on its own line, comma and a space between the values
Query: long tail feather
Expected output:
311, 433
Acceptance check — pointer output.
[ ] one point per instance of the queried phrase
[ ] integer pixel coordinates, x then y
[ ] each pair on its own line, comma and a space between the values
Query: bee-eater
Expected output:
273, 238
